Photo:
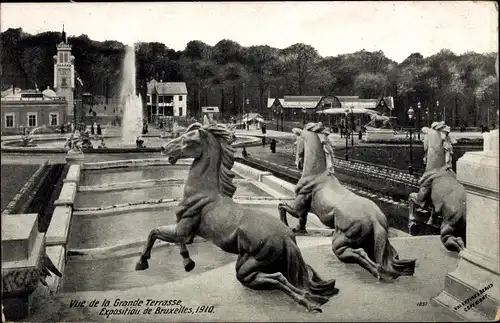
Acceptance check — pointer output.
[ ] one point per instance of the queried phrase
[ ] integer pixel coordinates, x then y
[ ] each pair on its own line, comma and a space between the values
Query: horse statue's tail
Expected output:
387, 257
302, 275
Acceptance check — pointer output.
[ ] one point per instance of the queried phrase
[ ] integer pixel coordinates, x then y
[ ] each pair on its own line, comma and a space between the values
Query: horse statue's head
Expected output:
438, 149
311, 148
210, 146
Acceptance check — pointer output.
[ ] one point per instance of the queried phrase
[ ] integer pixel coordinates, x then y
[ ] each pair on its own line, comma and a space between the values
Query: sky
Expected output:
397, 28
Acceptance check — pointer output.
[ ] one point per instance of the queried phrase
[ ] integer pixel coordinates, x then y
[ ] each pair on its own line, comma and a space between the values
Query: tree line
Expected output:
229, 75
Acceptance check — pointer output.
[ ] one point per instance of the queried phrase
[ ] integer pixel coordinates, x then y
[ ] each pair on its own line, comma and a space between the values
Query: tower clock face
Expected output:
64, 77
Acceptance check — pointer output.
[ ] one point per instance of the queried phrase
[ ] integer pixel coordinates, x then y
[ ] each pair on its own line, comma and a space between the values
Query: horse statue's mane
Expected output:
225, 138
319, 128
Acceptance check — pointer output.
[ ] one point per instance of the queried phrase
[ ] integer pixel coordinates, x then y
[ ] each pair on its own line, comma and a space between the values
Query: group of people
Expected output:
272, 144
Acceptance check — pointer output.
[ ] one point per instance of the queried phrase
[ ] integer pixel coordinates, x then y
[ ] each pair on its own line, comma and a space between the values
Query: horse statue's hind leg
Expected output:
168, 234
247, 275
299, 209
341, 246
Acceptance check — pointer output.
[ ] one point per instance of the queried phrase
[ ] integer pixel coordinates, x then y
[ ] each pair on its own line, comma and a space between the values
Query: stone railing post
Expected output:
22, 250
472, 290
75, 157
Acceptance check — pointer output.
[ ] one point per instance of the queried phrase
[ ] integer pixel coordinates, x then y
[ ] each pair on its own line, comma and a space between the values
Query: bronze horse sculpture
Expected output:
439, 187
361, 229
268, 255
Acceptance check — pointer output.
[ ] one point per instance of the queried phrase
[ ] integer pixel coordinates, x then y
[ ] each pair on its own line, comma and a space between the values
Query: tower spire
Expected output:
64, 35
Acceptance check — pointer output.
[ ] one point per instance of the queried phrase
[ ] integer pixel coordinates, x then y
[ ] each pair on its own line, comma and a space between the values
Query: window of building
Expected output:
160, 98
32, 122
169, 99
161, 111
54, 119
180, 112
9, 120
149, 98
65, 57
180, 97
60, 57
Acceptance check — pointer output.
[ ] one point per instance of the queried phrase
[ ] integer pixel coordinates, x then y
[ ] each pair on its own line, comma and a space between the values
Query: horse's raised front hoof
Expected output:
189, 264
141, 264
299, 230
454, 244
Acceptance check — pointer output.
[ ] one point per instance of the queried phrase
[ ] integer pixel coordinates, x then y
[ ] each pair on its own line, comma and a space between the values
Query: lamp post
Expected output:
419, 106
304, 116
411, 114
352, 126
437, 109
281, 112
346, 136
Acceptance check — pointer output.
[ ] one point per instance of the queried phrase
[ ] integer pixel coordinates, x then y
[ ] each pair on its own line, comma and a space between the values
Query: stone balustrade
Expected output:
68, 195
73, 174
249, 172
163, 161
58, 231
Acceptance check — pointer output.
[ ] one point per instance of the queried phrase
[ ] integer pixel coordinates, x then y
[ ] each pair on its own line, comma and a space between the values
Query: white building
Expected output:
166, 99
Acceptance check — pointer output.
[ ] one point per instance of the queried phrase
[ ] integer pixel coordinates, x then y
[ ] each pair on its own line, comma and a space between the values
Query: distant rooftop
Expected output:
210, 109
172, 88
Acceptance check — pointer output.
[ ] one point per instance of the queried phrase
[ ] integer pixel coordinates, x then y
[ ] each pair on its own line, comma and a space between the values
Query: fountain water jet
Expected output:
132, 121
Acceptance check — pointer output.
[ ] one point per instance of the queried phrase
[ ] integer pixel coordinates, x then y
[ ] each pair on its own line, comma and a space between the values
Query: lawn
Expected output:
13, 179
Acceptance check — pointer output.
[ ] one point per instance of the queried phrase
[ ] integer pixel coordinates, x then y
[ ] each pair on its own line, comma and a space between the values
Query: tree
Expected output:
227, 51
262, 61
196, 49
370, 85
301, 61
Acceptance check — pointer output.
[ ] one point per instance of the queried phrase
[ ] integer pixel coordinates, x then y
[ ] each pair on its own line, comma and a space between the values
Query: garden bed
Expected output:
398, 156
404, 140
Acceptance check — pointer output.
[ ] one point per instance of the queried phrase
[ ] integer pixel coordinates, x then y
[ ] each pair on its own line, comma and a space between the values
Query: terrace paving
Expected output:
361, 297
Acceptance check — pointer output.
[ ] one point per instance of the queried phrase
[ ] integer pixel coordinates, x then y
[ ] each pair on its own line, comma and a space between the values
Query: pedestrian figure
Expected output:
99, 130
263, 141
62, 129
273, 146
360, 135
92, 131
244, 152
263, 128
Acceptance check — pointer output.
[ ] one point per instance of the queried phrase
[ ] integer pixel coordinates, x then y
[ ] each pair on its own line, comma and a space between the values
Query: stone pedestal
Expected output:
22, 248
75, 158
472, 291
374, 134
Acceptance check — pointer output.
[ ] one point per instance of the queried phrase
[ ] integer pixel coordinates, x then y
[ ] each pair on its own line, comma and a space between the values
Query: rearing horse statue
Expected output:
268, 255
361, 229
440, 188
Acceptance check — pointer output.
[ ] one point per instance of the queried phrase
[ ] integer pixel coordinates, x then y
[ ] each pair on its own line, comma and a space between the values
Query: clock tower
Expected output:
64, 74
